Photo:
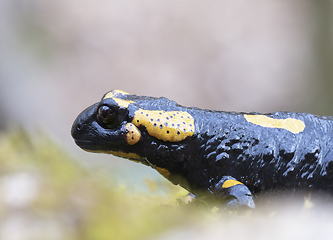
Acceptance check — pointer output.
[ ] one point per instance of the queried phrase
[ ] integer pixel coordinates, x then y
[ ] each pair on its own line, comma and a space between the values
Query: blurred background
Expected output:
57, 57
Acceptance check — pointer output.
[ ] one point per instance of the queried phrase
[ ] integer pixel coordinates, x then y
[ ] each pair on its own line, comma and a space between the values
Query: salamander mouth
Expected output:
92, 146
104, 147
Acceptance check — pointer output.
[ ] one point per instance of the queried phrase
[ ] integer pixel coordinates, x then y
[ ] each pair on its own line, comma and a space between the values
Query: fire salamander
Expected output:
227, 156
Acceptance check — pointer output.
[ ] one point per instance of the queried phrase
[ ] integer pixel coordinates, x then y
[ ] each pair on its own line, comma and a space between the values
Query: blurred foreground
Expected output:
44, 194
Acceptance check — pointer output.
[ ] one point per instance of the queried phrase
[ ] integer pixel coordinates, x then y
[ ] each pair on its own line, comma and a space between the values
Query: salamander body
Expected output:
224, 155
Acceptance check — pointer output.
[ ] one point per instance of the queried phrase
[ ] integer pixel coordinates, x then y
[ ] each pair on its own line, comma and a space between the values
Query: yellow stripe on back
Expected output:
229, 183
291, 124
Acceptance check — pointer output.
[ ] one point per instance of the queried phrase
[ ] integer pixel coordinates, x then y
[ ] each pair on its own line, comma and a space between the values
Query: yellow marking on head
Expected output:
173, 126
229, 183
115, 93
133, 134
291, 124
122, 103
165, 173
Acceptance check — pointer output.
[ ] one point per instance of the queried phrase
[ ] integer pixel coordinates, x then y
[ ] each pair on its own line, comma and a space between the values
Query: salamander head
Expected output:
118, 122
105, 127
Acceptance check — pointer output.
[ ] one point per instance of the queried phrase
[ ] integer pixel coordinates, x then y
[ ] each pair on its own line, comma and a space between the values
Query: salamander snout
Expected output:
83, 123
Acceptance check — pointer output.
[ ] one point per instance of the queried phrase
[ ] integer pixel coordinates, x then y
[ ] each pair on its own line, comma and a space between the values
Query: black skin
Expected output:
224, 146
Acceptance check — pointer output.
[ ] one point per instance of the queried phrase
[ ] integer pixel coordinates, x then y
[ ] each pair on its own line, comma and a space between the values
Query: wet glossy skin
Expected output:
224, 155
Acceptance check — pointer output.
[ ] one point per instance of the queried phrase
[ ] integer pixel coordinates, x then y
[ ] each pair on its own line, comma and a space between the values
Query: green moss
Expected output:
45, 194
83, 207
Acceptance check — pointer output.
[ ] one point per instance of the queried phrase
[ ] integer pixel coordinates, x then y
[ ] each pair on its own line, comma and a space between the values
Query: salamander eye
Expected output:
106, 116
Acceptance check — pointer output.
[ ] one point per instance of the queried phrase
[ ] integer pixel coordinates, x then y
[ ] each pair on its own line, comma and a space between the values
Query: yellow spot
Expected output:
229, 183
115, 93
173, 126
291, 124
165, 173
123, 103
133, 134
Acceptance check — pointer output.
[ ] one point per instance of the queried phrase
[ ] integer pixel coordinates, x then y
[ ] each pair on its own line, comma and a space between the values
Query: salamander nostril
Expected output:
77, 129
